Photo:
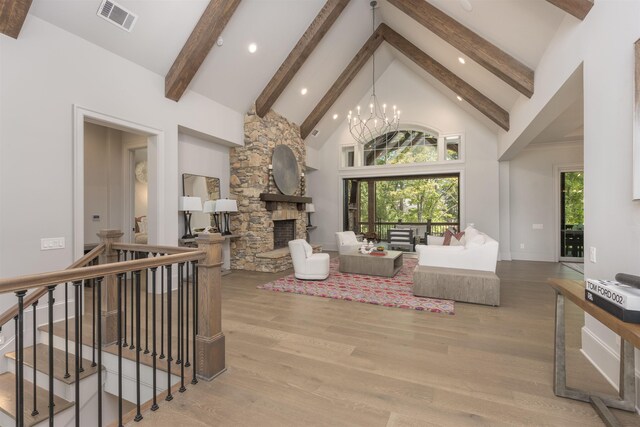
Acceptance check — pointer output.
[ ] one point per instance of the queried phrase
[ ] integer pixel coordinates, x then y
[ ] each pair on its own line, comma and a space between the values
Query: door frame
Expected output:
155, 164
557, 174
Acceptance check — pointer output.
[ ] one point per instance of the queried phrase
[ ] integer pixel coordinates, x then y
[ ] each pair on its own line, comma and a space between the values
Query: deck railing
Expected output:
382, 228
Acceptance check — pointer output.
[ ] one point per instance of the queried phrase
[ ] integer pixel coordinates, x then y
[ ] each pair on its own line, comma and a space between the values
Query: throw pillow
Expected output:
452, 238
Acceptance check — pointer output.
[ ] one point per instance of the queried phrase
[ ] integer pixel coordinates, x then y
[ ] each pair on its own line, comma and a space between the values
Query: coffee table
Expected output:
386, 265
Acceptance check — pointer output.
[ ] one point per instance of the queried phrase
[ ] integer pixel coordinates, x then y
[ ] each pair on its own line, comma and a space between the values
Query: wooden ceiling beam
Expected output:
305, 46
12, 16
461, 88
341, 83
195, 50
577, 8
500, 63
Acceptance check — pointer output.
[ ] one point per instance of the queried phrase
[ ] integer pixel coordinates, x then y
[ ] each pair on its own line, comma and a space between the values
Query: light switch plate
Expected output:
51, 243
592, 254
538, 226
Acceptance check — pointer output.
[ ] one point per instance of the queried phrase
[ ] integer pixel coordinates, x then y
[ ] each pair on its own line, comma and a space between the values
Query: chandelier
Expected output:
364, 126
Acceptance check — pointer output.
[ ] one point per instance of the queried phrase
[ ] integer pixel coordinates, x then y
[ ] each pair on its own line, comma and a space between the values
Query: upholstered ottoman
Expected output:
480, 287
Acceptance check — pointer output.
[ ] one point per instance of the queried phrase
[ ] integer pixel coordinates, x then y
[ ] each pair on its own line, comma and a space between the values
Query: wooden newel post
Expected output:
109, 312
210, 346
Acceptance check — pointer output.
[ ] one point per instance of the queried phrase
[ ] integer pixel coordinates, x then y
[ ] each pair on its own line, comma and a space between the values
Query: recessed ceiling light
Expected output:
461, 60
466, 5
253, 47
459, 97
335, 116
303, 91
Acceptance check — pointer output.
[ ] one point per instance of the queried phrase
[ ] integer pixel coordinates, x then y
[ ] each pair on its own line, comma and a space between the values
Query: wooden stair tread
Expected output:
8, 403
42, 356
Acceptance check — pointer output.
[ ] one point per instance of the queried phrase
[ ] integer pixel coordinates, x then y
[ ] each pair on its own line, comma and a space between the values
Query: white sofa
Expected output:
347, 242
306, 264
480, 252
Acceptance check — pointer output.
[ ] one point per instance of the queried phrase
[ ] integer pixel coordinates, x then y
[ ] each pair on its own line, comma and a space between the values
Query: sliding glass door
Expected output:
572, 216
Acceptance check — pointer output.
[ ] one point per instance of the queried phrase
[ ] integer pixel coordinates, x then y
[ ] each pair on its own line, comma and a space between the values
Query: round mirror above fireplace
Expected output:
285, 170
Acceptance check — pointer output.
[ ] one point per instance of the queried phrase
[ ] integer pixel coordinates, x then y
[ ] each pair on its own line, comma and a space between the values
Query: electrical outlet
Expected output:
521, 245
52, 243
592, 254
538, 226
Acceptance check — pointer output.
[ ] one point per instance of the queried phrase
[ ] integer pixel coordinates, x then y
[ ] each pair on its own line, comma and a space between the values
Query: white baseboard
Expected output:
605, 360
532, 256
505, 256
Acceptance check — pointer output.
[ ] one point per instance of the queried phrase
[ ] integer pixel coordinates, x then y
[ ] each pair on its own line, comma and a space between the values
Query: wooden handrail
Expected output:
169, 250
39, 293
56, 277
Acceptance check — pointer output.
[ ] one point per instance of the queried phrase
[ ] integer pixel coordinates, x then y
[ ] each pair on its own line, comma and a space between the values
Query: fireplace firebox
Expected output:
283, 231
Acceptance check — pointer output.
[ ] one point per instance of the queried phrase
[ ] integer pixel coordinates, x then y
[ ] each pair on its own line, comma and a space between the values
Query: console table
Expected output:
630, 338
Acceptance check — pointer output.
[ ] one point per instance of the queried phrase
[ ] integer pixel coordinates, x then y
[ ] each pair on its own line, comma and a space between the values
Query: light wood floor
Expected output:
297, 360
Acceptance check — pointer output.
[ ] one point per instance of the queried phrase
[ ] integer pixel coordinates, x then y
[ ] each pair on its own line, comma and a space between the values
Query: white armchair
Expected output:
480, 252
347, 242
306, 264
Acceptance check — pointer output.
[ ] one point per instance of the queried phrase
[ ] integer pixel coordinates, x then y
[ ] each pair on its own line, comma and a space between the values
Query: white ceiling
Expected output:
234, 77
567, 127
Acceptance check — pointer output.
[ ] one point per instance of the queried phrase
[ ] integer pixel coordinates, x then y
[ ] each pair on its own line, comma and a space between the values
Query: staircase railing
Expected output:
123, 277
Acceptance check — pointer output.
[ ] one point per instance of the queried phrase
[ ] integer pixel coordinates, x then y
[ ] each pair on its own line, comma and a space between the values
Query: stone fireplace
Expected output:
257, 220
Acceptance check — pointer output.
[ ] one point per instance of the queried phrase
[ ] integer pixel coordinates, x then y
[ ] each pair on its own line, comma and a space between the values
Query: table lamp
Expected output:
210, 208
309, 209
187, 205
225, 206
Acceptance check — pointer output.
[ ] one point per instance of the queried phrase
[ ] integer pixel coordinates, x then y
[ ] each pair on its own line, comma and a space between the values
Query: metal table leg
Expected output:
601, 402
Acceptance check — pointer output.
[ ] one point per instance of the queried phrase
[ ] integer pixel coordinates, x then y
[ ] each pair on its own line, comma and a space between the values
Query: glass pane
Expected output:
452, 147
348, 156
369, 157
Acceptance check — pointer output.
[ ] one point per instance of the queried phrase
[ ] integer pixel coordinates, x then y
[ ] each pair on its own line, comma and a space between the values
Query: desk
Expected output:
630, 338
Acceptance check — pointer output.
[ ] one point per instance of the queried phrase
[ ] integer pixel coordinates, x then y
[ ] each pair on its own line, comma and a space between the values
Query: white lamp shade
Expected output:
310, 208
226, 205
209, 206
191, 204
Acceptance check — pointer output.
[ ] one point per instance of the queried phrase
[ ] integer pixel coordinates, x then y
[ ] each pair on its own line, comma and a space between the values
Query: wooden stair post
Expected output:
109, 312
210, 346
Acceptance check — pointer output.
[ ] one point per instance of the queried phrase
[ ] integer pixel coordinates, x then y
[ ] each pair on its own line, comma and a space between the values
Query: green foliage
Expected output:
574, 198
413, 200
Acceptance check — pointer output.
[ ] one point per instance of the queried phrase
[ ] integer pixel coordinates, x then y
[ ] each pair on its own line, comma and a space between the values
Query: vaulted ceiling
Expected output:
234, 77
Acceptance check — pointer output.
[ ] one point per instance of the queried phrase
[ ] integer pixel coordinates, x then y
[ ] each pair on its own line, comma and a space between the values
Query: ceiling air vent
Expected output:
117, 15
315, 132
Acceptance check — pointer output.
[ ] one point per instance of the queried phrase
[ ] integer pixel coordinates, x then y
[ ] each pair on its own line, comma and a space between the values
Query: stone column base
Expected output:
211, 356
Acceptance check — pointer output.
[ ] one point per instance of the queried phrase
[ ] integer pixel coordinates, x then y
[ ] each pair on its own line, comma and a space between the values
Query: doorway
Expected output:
572, 215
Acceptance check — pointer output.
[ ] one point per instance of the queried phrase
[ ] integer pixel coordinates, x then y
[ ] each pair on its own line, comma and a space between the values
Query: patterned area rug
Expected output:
387, 291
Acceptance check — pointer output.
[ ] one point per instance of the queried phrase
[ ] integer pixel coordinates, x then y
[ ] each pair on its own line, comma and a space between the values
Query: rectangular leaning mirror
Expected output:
205, 187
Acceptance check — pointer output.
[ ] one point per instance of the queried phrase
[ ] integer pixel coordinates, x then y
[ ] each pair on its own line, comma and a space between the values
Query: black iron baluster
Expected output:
161, 312
80, 303
169, 358
121, 276
20, 354
194, 267
146, 309
78, 344
93, 322
66, 331
132, 346
124, 332
35, 372
154, 270
138, 347
17, 335
97, 289
181, 327
50, 330
180, 284
186, 317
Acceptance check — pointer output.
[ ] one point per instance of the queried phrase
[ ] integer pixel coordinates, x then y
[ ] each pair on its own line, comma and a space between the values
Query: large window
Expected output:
378, 204
404, 147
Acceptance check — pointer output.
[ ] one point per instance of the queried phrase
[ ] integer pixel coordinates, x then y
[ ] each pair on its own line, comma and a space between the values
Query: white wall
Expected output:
42, 75
532, 198
604, 42
200, 157
421, 104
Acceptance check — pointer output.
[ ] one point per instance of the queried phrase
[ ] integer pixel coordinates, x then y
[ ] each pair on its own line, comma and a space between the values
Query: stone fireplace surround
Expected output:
254, 250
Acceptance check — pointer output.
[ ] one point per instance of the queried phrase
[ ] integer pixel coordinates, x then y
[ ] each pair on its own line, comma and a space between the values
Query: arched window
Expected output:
401, 147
